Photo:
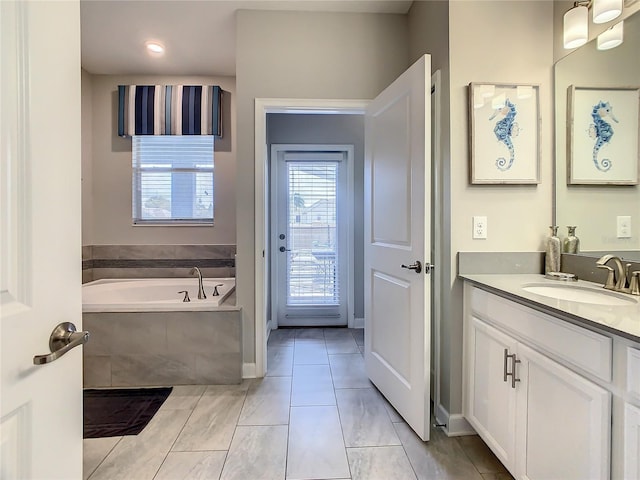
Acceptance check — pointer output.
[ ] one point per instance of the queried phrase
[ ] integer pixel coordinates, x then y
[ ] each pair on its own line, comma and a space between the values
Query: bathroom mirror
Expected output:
596, 208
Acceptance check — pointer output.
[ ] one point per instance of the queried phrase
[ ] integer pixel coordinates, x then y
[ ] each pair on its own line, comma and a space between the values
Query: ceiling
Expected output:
199, 35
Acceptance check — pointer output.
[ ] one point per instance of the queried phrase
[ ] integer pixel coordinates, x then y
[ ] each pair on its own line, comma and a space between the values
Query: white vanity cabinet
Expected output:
631, 442
632, 416
523, 394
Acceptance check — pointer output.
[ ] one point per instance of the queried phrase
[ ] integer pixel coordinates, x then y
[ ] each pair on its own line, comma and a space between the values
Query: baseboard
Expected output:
269, 328
358, 322
248, 370
454, 425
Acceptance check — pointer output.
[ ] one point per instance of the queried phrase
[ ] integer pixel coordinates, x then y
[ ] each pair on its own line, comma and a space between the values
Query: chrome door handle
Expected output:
63, 338
417, 267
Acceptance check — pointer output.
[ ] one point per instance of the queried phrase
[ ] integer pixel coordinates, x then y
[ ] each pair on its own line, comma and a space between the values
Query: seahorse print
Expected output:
602, 132
505, 129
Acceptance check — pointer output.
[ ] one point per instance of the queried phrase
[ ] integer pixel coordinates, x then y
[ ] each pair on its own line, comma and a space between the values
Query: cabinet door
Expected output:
564, 422
631, 442
490, 401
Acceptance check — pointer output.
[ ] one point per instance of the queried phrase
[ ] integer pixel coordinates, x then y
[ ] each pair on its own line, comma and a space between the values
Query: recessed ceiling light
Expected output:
154, 47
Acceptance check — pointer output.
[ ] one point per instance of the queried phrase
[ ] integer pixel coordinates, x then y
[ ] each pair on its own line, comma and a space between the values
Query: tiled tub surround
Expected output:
163, 348
153, 261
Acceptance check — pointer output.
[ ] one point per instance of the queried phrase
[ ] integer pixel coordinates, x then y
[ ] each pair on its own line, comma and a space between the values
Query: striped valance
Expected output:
169, 110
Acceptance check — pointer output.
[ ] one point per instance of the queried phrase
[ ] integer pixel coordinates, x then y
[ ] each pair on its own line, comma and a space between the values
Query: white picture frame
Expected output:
602, 135
504, 133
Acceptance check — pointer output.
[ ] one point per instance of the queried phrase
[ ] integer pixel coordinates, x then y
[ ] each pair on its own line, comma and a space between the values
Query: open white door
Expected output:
40, 266
397, 235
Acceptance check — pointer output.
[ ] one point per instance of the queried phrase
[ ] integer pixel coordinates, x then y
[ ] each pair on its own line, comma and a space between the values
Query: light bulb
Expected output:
154, 48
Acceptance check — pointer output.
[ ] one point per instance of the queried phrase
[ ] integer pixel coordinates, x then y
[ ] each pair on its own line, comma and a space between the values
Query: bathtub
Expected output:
153, 294
143, 334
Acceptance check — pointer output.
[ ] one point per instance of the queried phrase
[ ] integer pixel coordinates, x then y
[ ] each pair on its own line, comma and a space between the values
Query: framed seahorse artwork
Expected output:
603, 131
504, 133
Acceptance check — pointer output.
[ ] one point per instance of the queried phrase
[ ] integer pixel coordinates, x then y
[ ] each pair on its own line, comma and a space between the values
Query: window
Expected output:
172, 179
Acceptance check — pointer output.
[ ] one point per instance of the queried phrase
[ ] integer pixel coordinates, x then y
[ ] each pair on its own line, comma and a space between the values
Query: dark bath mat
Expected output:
121, 411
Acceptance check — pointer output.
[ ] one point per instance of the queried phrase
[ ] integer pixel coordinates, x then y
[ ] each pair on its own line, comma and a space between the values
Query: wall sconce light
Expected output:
576, 20
576, 26
612, 37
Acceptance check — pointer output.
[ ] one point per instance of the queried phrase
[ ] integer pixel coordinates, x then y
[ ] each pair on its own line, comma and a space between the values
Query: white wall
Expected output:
502, 42
302, 55
108, 209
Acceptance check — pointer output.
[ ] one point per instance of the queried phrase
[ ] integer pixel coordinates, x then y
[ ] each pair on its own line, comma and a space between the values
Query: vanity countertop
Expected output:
621, 320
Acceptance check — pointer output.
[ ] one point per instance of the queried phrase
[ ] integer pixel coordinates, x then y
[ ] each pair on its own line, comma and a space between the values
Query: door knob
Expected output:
417, 267
282, 249
63, 338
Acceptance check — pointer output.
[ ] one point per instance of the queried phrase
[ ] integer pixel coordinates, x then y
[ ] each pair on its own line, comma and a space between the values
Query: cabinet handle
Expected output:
506, 358
513, 370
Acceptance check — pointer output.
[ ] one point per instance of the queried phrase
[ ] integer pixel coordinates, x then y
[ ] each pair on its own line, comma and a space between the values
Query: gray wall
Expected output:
339, 130
302, 55
107, 169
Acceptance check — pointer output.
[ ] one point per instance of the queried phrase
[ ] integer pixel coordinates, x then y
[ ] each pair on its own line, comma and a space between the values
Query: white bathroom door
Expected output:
40, 246
397, 244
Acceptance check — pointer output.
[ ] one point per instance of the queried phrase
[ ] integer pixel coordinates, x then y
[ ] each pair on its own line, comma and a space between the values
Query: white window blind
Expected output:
312, 212
172, 179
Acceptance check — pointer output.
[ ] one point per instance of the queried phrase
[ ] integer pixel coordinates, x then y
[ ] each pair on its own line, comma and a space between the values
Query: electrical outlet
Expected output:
624, 227
479, 227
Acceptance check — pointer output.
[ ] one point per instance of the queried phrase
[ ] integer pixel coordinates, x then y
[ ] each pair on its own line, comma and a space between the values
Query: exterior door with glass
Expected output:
309, 235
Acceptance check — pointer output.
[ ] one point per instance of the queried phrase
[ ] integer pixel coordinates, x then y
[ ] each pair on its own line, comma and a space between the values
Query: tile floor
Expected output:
314, 416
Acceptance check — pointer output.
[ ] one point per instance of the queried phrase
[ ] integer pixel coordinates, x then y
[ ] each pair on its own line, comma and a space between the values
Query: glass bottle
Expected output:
571, 244
552, 254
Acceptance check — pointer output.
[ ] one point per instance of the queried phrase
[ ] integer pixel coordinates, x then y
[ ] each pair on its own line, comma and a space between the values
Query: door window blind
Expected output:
173, 179
314, 258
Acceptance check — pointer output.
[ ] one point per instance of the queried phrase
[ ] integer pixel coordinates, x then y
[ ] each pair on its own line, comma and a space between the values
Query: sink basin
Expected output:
575, 293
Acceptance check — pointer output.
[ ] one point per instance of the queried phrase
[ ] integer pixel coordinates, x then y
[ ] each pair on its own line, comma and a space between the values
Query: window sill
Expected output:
172, 224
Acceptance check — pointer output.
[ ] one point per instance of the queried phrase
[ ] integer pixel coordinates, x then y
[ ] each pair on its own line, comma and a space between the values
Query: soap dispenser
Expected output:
571, 244
552, 254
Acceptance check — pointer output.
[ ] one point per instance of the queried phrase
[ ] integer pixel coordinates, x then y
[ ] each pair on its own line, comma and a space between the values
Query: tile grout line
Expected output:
104, 458
346, 453
178, 435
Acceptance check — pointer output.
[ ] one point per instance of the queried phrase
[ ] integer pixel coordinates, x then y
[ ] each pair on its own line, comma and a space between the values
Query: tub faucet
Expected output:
201, 294
620, 273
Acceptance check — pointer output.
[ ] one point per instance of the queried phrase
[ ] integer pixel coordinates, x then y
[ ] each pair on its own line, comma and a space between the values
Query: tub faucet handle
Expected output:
186, 295
216, 293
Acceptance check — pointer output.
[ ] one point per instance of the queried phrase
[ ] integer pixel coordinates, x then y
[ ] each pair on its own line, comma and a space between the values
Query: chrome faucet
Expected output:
619, 276
201, 294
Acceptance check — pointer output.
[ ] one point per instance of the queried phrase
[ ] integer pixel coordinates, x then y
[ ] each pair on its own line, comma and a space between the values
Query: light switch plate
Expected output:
624, 226
479, 227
